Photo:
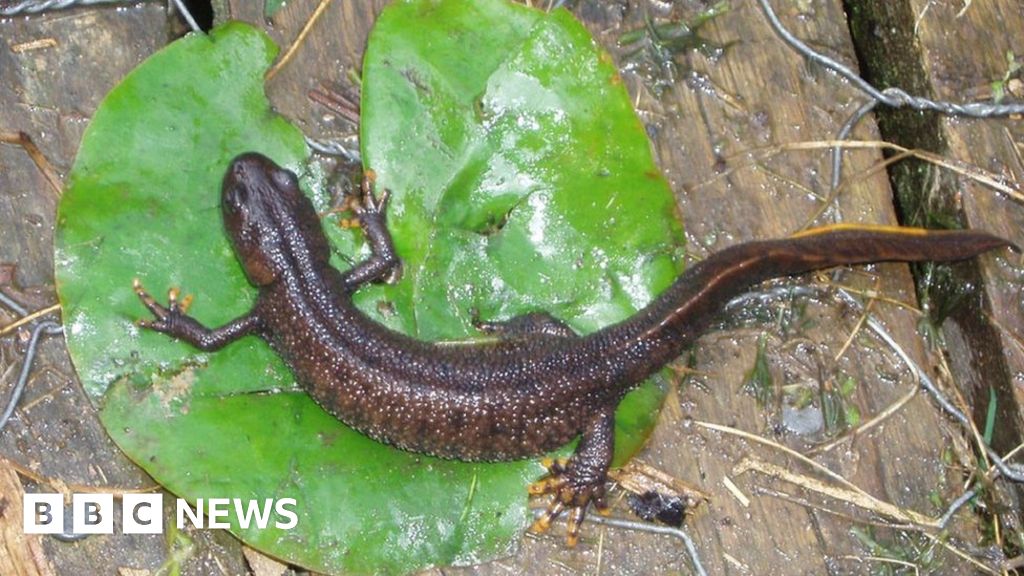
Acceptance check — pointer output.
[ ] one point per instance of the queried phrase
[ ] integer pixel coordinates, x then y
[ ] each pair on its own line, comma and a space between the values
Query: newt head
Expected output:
271, 223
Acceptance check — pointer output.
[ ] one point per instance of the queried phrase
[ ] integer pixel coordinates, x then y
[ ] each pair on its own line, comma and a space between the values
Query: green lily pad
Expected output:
521, 180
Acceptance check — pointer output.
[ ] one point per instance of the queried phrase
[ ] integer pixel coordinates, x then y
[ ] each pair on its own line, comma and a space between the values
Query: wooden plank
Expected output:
955, 53
20, 554
926, 50
54, 70
331, 51
761, 94
957, 73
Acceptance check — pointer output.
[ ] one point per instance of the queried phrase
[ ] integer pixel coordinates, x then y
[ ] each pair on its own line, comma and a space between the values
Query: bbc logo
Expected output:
93, 513
144, 513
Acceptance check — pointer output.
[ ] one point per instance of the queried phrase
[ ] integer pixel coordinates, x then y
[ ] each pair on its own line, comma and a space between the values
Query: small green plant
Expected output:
908, 552
759, 382
179, 549
836, 410
1013, 68
660, 44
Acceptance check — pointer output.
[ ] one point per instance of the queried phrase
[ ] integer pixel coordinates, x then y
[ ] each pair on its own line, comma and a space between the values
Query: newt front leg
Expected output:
383, 265
173, 321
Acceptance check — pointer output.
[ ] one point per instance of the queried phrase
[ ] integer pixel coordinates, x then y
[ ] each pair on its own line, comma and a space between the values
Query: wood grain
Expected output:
958, 73
20, 554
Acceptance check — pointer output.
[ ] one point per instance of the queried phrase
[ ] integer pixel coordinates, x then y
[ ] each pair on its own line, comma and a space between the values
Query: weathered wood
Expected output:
956, 53
762, 94
996, 147
20, 554
54, 70
331, 51
940, 52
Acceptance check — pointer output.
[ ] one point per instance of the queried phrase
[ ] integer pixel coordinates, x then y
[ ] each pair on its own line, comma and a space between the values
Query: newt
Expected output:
532, 388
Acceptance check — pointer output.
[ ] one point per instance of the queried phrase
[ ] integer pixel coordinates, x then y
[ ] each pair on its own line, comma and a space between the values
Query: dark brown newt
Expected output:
535, 387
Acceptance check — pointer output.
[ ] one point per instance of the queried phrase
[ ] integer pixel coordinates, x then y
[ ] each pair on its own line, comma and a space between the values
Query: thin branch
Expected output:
290, 53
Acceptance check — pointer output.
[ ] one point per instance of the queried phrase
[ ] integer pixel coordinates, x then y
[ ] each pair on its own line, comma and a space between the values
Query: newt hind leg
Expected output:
579, 481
